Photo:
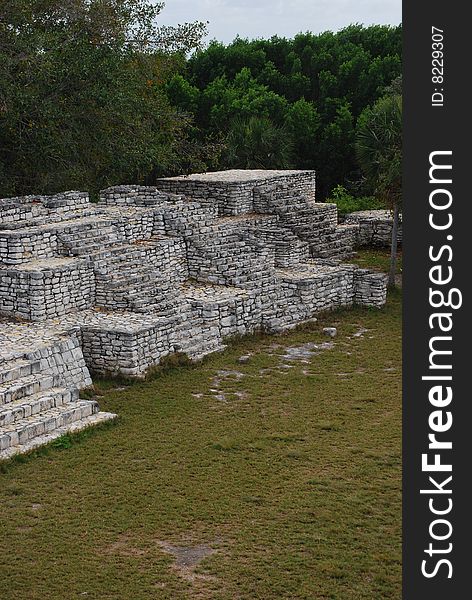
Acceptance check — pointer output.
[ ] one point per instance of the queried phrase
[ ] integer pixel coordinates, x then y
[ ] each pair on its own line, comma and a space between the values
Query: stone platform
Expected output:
374, 228
115, 287
42, 369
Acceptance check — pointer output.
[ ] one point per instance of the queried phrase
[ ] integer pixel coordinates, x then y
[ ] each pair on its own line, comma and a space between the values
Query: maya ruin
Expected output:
113, 287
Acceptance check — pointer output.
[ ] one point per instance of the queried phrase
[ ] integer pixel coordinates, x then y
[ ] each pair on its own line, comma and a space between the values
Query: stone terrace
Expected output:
115, 287
375, 227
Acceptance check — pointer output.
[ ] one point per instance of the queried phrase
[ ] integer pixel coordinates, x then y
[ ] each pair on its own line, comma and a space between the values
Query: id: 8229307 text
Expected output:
437, 66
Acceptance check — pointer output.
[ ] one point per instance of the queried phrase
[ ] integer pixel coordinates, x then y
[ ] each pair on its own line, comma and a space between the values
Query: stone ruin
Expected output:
114, 287
375, 228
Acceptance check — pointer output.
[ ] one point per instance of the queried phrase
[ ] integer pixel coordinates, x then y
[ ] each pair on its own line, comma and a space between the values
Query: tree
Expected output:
303, 123
335, 149
242, 98
256, 143
316, 85
379, 152
81, 97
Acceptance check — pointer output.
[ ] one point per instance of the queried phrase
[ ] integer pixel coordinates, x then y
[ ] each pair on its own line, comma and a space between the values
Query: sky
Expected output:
264, 18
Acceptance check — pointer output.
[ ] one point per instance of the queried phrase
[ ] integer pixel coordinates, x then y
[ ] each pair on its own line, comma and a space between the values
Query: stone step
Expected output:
152, 283
89, 238
124, 286
79, 226
109, 255
130, 293
36, 404
118, 256
76, 235
203, 342
25, 386
155, 295
149, 306
112, 259
88, 242
338, 243
143, 304
128, 274
341, 232
21, 431
87, 249
15, 369
47, 438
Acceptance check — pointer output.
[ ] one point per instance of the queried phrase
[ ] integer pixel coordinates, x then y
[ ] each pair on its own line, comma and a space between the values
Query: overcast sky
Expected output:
264, 18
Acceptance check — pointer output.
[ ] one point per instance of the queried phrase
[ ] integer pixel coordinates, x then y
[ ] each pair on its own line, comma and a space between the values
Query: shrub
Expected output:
347, 203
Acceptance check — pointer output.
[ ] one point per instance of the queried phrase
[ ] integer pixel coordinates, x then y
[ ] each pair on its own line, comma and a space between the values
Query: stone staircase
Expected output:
205, 339
39, 393
127, 279
119, 280
289, 250
35, 409
88, 237
126, 276
234, 259
135, 290
338, 243
313, 222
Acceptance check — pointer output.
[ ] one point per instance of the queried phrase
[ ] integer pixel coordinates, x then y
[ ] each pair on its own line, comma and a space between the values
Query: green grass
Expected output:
293, 478
377, 259
347, 203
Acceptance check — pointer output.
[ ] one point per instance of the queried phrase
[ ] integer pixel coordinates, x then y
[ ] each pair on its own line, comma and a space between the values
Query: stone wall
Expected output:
41, 372
233, 191
374, 228
47, 289
369, 288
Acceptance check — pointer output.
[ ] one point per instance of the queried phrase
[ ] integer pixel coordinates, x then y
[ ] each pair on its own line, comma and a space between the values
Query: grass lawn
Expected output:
274, 478
378, 260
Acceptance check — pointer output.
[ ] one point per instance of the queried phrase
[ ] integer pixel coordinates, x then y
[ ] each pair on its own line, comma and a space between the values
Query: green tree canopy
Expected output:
81, 98
313, 86
379, 152
256, 143
379, 148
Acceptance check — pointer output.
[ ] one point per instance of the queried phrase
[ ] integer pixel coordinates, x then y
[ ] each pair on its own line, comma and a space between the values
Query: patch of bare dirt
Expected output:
187, 559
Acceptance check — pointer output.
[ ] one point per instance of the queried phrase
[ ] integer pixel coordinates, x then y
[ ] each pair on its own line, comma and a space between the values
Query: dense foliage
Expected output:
379, 152
379, 148
348, 203
309, 91
81, 98
95, 92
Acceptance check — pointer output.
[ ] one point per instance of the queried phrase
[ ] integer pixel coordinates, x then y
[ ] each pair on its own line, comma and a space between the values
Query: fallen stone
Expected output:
330, 331
244, 359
